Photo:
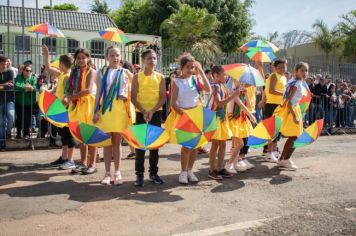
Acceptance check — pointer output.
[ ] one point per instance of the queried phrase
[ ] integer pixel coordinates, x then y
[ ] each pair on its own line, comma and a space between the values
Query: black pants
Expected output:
244, 149
267, 113
67, 138
140, 154
23, 119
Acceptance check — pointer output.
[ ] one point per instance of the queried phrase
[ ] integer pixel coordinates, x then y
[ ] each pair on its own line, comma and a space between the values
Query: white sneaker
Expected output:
183, 177
230, 168
289, 164
248, 164
107, 179
240, 166
277, 154
271, 157
192, 177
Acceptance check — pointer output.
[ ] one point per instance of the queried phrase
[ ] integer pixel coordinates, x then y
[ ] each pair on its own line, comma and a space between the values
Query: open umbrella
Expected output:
261, 56
195, 127
265, 131
310, 134
89, 134
306, 98
245, 74
264, 45
47, 30
53, 109
145, 136
114, 35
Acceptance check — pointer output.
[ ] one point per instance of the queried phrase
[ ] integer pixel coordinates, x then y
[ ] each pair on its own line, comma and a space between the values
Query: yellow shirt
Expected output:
280, 86
251, 94
148, 90
60, 85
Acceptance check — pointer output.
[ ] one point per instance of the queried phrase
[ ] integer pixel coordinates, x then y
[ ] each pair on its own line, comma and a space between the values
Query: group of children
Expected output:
103, 97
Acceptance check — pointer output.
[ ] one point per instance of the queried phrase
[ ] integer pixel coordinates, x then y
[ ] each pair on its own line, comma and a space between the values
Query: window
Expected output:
23, 44
97, 49
72, 45
1, 51
51, 44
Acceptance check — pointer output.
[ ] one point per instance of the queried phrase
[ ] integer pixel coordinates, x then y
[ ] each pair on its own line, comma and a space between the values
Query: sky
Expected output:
269, 15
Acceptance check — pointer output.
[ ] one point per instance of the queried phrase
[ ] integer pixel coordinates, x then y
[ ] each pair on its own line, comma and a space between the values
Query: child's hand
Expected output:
253, 119
296, 120
198, 67
148, 116
66, 101
95, 118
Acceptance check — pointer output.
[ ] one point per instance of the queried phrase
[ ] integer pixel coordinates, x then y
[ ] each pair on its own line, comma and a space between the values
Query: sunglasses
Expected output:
28, 70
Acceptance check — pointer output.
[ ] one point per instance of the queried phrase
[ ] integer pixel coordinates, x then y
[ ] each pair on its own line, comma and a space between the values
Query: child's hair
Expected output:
207, 71
146, 52
3, 59
185, 58
300, 65
217, 69
66, 60
83, 51
109, 48
279, 61
127, 65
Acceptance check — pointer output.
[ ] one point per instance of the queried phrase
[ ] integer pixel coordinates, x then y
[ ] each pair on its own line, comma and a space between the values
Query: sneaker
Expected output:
192, 177
230, 168
79, 168
289, 164
240, 166
118, 178
57, 162
107, 179
67, 165
131, 155
139, 181
271, 157
156, 179
277, 154
224, 174
89, 170
183, 177
248, 164
215, 175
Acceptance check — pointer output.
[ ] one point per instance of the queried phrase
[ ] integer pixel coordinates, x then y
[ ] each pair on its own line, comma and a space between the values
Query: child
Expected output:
148, 96
80, 100
290, 113
274, 90
240, 125
65, 63
186, 95
111, 115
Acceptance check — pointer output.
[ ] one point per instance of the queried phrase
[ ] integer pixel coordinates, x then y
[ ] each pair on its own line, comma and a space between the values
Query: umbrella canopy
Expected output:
265, 131
258, 55
195, 127
310, 134
245, 74
89, 134
264, 45
53, 109
306, 98
47, 30
114, 35
146, 136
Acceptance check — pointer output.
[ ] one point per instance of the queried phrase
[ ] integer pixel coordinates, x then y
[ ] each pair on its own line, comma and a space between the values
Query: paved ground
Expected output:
318, 199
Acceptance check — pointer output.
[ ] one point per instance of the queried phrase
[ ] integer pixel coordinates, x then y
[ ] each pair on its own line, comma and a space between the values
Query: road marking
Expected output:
227, 228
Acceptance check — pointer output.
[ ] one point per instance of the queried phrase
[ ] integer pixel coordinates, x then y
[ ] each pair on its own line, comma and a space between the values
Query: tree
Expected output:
62, 7
347, 28
194, 29
101, 7
293, 38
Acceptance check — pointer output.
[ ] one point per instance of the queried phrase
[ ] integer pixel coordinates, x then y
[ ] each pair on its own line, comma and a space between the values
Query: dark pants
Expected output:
23, 119
244, 149
140, 154
267, 113
67, 138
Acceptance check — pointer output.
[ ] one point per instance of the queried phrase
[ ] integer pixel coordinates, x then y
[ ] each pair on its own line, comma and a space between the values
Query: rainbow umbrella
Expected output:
195, 127
89, 134
261, 56
146, 136
264, 45
306, 98
53, 109
46, 29
310, 134
245, 74
265, 131
114, 35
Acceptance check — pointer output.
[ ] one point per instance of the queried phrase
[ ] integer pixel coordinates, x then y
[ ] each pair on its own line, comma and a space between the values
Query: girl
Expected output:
111, 115
186, 95
290, 113
148, 96
240, 127
80, 100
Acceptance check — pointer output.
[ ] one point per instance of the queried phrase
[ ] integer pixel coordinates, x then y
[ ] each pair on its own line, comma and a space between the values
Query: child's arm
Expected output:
206, 84
245, 109
134, 91
46, 62
223, 102
174, 99
161, 102
272, 87
97, 96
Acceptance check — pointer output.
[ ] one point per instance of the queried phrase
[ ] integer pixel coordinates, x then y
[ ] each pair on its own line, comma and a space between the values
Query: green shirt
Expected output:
22, 97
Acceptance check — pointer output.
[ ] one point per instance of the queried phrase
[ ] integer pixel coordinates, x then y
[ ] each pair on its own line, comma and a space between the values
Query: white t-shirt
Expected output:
188, 95
112, 74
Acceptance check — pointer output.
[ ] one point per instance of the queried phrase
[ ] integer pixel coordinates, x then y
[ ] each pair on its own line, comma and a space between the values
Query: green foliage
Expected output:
63, 7
347, 29
100, 6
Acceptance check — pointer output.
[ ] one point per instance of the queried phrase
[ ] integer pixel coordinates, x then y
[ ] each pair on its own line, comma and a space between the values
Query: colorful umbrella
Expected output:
53, 109
259, 55
89, 134
114, 35
310, 134
245, 74
265, 131
46, 29
306, 98
146, 136
195, 127
264, 45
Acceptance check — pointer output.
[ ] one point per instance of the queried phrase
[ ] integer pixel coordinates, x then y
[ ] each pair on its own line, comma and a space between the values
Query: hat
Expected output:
28, 62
